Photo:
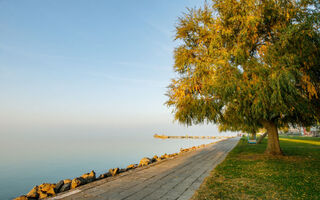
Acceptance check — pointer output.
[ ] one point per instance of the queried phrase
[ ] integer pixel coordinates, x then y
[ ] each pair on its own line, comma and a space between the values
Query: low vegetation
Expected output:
247, 173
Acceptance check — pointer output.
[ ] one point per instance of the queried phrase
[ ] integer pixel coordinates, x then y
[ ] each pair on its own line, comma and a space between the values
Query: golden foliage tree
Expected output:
244, 63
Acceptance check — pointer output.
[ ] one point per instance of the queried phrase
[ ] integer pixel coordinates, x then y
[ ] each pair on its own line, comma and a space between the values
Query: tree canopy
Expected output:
248, 63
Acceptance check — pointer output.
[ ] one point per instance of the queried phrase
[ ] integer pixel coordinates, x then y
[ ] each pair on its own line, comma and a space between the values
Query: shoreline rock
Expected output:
89, 177
59, 186
114, 171
76, 182
65, 187
33, 193
144, 162
132, 166
105, 175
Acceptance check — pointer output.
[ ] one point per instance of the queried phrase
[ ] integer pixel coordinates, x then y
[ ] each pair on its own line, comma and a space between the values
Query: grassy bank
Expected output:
247, 173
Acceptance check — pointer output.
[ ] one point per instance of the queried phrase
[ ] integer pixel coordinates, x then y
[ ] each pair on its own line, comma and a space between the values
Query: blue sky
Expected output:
86, 62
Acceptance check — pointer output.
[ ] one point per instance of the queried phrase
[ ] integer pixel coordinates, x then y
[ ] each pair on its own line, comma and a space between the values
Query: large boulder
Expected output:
23, 197
164, 156
145, 161
65, 181
43, 195
171, 155
76, 182
114, 171
132, 166
89, 177
66, 186
46, 190
33, 193
105, 175
59, 186
155, 158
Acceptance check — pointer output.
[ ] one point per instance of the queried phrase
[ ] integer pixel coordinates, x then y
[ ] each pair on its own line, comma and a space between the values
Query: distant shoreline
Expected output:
189, 137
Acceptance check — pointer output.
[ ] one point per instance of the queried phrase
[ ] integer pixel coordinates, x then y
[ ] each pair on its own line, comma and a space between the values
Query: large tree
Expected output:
250, 62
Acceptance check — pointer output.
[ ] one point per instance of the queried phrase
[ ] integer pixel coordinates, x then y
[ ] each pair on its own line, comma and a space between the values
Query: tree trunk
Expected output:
273, 147
254, 136
262, 137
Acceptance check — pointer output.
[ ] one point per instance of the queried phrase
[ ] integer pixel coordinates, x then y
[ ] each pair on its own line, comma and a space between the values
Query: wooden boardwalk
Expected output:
176, 178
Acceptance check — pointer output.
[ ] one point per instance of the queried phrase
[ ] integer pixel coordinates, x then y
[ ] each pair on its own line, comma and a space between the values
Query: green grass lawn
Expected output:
247, 173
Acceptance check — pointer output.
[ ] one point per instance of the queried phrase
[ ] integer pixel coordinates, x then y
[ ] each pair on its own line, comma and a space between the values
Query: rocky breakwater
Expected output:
51, 189
46, 190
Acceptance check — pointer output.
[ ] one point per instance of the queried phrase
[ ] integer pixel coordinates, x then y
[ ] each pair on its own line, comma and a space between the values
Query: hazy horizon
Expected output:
77, 63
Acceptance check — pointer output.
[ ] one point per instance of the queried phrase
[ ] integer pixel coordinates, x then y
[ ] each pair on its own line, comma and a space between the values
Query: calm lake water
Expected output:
28, 160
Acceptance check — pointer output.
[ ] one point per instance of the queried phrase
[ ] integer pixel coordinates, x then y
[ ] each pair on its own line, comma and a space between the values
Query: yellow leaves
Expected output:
288, 16
245, 76
309, 87
312, 91
263, 49
197, 88
255, 79
221, 62
179, 92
